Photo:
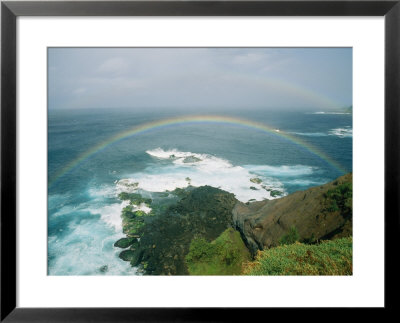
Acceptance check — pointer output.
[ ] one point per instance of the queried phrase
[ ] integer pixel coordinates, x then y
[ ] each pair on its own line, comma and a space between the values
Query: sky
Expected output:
191, 78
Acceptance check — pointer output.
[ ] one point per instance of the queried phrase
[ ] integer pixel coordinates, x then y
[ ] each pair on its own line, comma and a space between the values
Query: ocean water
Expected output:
304, 149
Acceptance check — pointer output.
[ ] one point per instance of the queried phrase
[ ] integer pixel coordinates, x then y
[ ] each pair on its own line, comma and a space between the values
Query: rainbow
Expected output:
213, 119
281, 86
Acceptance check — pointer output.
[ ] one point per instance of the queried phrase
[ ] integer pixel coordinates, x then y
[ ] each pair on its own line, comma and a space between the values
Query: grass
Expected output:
223, 256
327, 258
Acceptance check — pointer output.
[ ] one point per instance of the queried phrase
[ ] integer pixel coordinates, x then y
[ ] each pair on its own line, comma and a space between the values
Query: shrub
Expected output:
340, 199
327, 258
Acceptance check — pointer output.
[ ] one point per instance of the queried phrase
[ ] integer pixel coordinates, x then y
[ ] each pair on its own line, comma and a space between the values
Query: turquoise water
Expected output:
84, 212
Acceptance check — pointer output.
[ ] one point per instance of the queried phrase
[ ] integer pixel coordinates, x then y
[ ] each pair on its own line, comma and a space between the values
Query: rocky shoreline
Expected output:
160, 232
262, 224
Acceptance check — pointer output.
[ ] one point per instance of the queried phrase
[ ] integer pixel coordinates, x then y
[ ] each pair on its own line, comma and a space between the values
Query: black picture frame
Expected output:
10, 10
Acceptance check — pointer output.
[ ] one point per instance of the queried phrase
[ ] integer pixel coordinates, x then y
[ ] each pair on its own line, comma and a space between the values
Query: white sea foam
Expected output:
63, 209
143, 207
345, 132
207, 162
102, 191
160, 182
200, 170
86, 249
126, 185
111, 214
88, 246
166, 154
281, 171
305, 182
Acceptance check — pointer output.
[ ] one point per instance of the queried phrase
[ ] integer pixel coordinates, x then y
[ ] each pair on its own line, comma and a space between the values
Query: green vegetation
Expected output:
132, 228
128, 196
291, 237
139, 213
223, 256
134, 198
327, 258
180, 192
127, 212
132, 221
340, 199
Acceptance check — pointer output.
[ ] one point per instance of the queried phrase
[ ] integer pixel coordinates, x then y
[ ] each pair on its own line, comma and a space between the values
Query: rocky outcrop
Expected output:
191, 159
202, 212
125, 242
319, 213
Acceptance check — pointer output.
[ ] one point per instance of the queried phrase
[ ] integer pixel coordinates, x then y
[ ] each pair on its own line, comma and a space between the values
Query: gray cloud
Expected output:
312, 78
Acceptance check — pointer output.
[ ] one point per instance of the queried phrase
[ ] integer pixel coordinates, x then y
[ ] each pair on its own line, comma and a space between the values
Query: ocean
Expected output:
95, 154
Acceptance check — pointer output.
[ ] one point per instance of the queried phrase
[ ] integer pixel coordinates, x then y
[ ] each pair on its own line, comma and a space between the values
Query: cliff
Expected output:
319, 213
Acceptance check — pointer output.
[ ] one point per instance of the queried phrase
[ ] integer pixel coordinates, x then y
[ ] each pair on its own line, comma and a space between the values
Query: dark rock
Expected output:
127, 255
255, 180
191, 159
137, 257
103, 269
204, 211
125, 242
275, 193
